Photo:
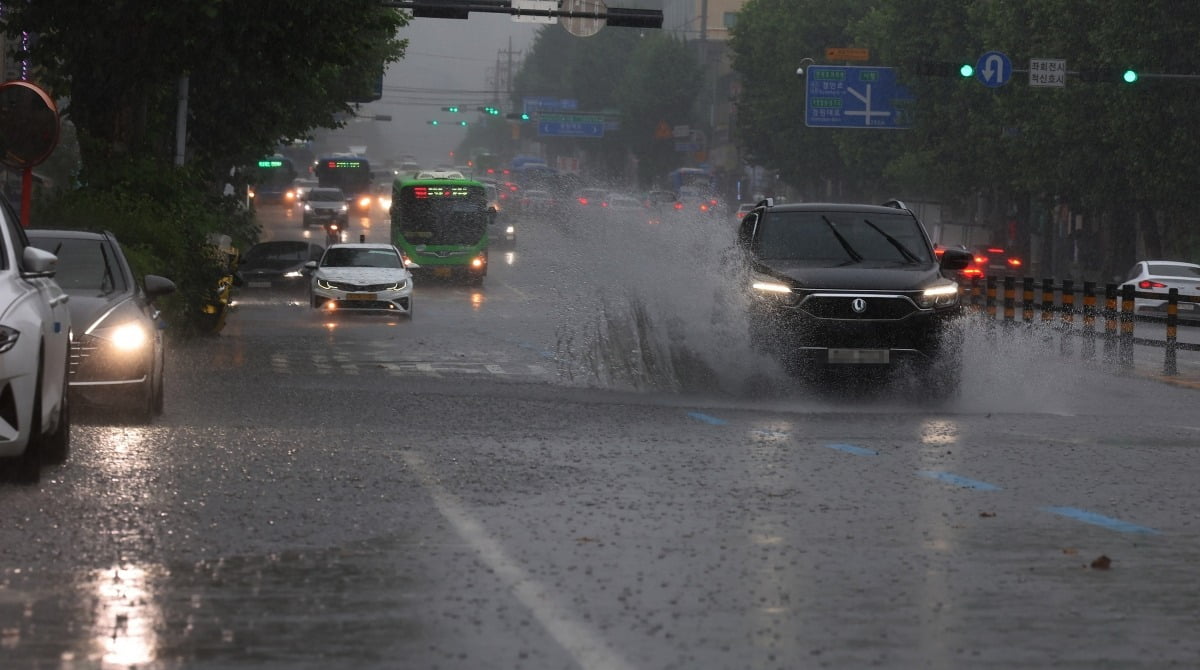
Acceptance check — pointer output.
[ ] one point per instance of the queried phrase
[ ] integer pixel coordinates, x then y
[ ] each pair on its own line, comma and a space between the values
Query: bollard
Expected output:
1126, 345
1047, 311
1110, 323
1027, 300
1067, 330
1169, 361
1088, 349
1010, 300
975, 295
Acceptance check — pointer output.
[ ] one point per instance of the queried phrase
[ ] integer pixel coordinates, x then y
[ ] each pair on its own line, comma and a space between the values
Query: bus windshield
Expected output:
351, 174
430, 213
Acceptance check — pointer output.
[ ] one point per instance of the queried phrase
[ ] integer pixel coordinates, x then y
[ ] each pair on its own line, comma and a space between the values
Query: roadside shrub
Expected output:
164, 219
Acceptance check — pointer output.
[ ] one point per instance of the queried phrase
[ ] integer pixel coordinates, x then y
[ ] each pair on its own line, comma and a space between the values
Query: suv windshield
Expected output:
813, 236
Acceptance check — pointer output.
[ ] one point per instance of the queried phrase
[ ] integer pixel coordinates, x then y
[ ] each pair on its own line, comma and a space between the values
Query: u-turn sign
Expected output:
994, 69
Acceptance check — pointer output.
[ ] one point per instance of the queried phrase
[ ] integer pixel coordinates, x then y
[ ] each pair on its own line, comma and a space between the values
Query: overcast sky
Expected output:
448, 62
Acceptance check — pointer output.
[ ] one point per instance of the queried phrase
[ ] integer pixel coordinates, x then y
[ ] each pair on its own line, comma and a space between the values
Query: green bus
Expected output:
442, 226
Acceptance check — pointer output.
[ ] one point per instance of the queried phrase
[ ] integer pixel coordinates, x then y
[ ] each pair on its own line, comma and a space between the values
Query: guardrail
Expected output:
1058, 307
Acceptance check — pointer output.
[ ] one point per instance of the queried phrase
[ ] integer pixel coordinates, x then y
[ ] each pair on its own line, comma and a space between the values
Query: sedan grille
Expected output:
873, 307
361, 288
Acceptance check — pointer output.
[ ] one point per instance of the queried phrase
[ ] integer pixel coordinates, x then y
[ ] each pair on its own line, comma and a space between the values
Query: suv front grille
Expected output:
888, 307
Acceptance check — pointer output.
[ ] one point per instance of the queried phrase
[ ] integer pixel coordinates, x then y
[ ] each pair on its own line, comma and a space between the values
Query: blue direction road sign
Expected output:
853, 97
570, 125
547, 104
994, 69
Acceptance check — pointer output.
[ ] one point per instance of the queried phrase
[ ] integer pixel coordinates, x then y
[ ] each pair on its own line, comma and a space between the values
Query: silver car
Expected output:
361, 277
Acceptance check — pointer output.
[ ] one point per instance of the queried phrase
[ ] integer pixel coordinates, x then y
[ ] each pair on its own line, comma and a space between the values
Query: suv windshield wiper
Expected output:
854, 255
908, 254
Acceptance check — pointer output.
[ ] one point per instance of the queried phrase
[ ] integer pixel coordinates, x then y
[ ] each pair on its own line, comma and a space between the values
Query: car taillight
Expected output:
679, 205
981, 259
1146, 283
1015, 262
972, 272
704, 207
995, 250
583, 201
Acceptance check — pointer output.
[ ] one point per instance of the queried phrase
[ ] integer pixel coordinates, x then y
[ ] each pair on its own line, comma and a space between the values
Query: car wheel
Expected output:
57, 445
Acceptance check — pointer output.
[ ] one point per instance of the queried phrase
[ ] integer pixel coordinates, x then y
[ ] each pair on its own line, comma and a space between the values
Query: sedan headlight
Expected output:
293, 274
8, 338
126, 337
945, 295
345, 208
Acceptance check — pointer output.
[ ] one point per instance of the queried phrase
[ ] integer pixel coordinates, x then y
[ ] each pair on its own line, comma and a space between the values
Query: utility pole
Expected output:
508, 77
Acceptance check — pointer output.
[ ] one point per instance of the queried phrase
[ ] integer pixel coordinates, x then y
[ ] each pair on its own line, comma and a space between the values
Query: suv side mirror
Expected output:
746, 229
955, 260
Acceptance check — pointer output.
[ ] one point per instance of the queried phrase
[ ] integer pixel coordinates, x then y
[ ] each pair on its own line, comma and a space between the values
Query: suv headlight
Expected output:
945, 295
769, 288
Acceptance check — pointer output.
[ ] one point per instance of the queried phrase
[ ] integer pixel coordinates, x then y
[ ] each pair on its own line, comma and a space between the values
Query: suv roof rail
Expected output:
898, 204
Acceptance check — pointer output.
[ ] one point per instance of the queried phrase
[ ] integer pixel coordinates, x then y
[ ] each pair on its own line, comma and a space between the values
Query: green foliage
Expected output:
648, 77
1107, 148
163, 219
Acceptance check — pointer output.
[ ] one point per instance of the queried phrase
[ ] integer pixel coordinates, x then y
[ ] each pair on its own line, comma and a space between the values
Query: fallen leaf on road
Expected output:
1102, 563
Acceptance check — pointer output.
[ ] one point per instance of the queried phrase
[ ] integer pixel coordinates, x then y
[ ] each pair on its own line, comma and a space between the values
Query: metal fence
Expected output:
1073, 312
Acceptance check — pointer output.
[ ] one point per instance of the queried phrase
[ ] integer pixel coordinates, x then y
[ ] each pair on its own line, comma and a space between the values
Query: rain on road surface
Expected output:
580, 465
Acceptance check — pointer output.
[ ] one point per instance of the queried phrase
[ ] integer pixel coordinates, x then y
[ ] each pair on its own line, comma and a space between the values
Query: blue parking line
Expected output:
852, 449
710, 420
1100, 520
958, 480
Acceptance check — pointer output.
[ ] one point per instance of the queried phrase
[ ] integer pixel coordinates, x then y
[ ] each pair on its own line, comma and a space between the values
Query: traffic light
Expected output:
453, 109
944, 69
433, 122
494, 111
1129, 76
463, 124
517, 117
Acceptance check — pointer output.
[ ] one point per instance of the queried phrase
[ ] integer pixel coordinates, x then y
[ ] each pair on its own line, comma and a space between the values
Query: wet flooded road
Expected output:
503, 483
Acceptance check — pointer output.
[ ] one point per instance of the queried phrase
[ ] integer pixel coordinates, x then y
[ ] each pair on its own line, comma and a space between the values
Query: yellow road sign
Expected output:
848, 53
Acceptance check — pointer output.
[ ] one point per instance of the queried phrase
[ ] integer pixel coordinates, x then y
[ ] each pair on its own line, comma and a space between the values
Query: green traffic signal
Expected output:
463, 124
433, 122
966, 70
453, 109
1130, 76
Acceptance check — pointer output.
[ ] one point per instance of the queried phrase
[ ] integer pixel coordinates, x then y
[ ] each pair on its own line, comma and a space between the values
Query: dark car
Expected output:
844, 289
278, 265
117, 347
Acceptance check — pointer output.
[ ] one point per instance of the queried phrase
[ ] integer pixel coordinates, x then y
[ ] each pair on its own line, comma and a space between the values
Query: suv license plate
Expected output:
360, 296
862, 356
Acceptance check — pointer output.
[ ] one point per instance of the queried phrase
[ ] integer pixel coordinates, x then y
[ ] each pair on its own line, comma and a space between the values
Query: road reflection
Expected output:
126, 617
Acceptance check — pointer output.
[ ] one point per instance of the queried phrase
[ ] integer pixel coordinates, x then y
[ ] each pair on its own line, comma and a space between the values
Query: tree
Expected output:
258, 72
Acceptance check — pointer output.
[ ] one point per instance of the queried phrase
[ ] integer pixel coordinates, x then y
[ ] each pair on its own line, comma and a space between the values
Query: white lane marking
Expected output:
589, 650
427, 368
495, 369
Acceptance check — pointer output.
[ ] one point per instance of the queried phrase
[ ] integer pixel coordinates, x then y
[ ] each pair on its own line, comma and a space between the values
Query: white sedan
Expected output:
35, 336
1159, 277
362, 277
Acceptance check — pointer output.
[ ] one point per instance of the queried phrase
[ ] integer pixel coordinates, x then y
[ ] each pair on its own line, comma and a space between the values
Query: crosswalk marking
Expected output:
490, 364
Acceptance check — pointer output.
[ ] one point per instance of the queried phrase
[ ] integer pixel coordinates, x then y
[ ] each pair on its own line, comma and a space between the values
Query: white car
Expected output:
362, 277
35, 336
1159, 277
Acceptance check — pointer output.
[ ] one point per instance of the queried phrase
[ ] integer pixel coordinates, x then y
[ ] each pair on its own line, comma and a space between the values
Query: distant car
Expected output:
626, 209
362, 277
742, 210
35, 349
278, 265
118, 357
590, 200
537, 203
965, 276
326, 205
502, 228
996, 261
1159, 277
299, 188
663, 206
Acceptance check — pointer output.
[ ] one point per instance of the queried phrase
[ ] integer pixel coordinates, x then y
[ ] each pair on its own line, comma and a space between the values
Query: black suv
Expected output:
851, 288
